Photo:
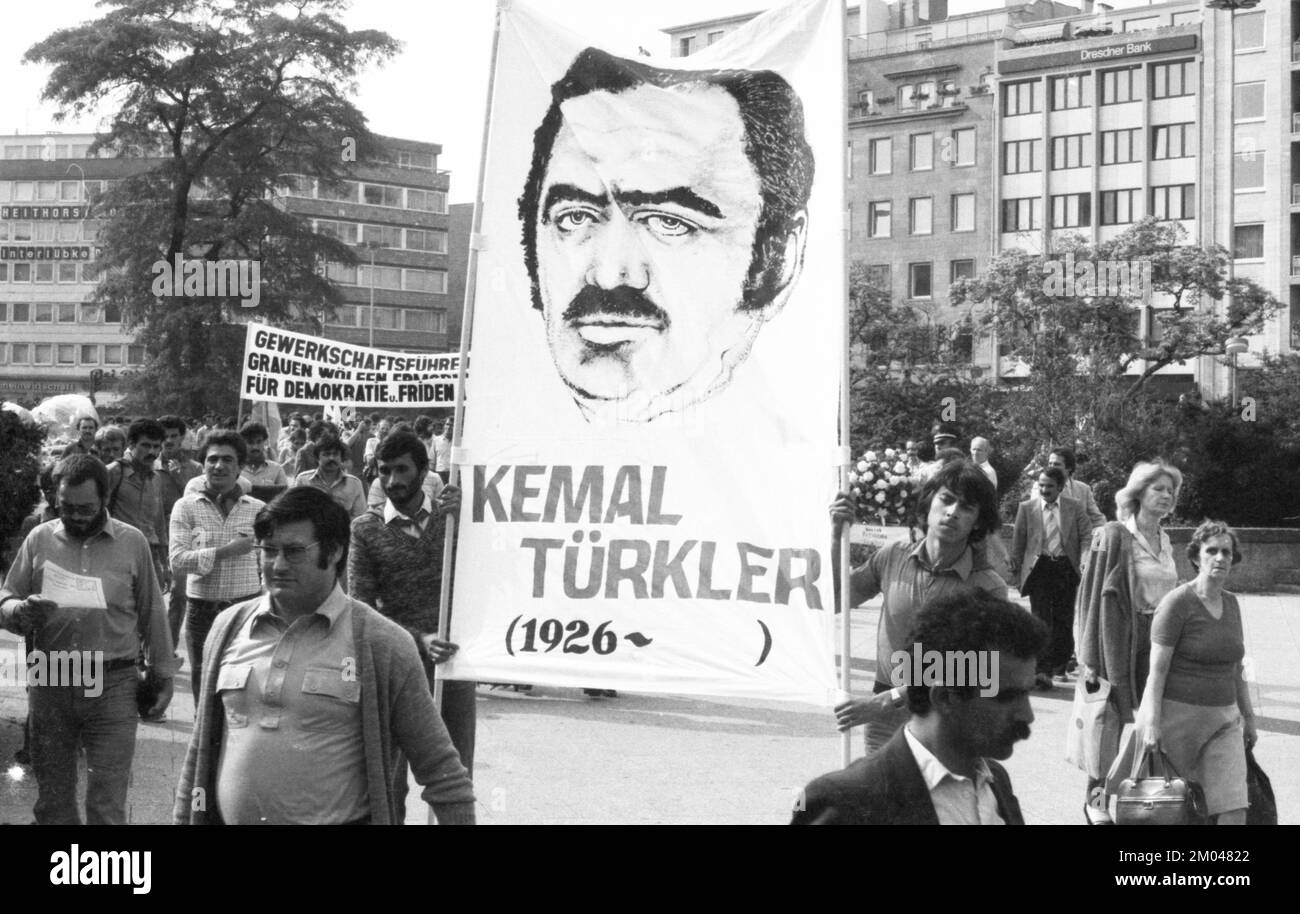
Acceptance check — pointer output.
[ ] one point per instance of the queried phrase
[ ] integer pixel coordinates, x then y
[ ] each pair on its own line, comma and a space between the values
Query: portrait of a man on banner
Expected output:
664, 220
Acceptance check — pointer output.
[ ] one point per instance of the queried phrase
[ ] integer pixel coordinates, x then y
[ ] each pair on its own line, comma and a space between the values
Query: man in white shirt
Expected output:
942, 767
980, 452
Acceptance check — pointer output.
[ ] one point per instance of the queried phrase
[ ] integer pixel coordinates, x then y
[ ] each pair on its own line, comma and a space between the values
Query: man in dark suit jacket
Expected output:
940, 769
1052, 530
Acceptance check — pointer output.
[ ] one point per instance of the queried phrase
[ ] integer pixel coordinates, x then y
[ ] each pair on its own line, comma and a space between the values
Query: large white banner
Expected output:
650, 437
287, 367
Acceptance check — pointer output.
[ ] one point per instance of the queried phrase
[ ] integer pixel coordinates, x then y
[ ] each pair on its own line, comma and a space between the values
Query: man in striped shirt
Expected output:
212, 542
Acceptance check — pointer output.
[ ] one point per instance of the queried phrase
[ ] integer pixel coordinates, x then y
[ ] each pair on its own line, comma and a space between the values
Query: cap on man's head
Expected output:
943, 431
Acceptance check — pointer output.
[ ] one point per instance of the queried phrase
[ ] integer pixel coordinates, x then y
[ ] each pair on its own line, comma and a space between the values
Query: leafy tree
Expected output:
227, 98
20, 448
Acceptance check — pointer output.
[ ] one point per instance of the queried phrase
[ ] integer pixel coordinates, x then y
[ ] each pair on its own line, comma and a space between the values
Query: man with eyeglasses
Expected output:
109, 604
309, 696
212, 542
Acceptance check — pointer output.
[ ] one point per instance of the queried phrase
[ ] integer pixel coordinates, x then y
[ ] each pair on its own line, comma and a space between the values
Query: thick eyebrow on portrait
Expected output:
681, 196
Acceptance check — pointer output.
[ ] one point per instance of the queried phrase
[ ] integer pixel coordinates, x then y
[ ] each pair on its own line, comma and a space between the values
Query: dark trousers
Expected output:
176, 606
459, 714
199, 616
64, 720
1051, 587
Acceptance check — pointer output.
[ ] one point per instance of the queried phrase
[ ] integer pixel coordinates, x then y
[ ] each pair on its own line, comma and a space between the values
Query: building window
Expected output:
1188, 18
1022, 98
341, 274
22, 272
1173, 141
961, 269
429, 201
344, 191
714, 36
848, 161
1022, 215
948, 90
880, 155
1073, 91
135, 355
21, 354
381, 195
1248, 242
1119, 86
44, 312
42, 353
4, 354
427, 321
878, 219
1248, 101
90, 313
426, 281
4, 272
44, 272
963, 212
1169, 80
385, 236
1071, 210
1138, 25
1248, 31
66, 354
921, 215
435, 242
922, 151
1248, 170
67, 312
22, 231
685, 46
1119, 146
963, 146
906, 97
112, 314
919, 280
89, 355
1173, 201
22, 312
1118, 207
4, 312
1074, 151
380, 277
66, 232
113, 354
1021, 156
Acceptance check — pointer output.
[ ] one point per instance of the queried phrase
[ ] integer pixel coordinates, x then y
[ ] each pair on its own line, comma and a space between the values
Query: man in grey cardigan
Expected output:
308, 695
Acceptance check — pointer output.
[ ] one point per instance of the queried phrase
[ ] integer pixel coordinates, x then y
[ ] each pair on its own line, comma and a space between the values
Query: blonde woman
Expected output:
1127, 572
1196, 705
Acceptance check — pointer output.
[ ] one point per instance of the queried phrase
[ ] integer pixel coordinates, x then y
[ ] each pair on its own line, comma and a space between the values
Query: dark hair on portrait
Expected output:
1207, 530
330, 523
967, 482
972, 620
79, 468
1056, 474
404, 442
227, 437
252, 431
142, 429
172, 423
328, 443
1067, 457
775, 145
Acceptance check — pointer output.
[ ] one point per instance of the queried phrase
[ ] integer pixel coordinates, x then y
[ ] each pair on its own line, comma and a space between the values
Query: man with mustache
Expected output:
942, 768
329, 477
100, 717
395, 565
664, 219
135, 490
211, 536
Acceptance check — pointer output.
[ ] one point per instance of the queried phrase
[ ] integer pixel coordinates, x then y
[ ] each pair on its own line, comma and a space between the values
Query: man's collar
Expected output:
391, 513
332, 607
111, 527
934, 772
962, 567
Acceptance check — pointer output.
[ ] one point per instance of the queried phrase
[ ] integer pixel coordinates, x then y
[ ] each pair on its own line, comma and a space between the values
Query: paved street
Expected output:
559, 757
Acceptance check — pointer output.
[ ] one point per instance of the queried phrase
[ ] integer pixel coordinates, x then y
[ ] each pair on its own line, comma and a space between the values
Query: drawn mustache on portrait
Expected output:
621, 301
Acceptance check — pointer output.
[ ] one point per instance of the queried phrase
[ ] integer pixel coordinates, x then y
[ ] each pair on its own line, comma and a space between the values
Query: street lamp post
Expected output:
1230, 7
372, 246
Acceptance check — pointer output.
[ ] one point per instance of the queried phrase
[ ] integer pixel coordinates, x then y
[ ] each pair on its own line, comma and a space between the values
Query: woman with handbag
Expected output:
1127, 571
1196, 705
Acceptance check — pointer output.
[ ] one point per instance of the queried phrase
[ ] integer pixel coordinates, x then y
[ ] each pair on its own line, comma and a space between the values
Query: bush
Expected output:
20, 443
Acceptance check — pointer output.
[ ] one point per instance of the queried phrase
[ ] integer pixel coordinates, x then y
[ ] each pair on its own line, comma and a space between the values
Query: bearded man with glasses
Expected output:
309, 696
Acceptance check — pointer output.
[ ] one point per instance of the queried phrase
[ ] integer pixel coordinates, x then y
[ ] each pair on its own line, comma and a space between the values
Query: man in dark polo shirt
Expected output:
308, 696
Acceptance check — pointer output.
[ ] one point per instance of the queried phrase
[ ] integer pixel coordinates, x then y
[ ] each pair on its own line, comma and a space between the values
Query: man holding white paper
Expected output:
84, 587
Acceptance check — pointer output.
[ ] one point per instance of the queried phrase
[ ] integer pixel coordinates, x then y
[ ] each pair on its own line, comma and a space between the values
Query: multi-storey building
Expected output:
1007, 128
53, 340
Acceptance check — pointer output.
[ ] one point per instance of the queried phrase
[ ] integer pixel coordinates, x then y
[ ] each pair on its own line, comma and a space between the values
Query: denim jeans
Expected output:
63, 720
199, 616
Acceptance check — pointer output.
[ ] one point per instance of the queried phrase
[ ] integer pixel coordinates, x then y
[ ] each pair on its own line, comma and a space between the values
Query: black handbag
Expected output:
1263, 805
1166, 798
